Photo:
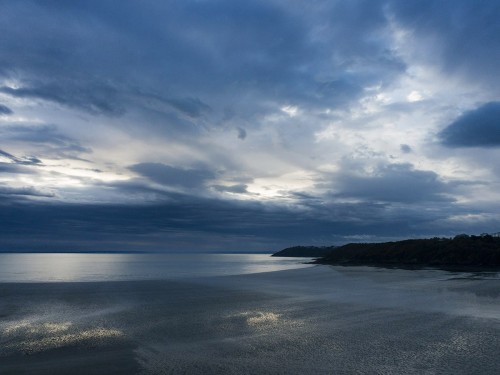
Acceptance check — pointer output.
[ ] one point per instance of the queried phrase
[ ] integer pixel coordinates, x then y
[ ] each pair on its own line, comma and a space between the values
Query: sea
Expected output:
100, 314
84, 267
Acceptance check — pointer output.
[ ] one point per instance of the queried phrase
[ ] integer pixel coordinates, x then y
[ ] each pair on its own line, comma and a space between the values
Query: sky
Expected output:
246, 125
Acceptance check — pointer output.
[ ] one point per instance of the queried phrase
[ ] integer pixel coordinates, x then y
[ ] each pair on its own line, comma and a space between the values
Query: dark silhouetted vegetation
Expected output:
462, 251
305, 251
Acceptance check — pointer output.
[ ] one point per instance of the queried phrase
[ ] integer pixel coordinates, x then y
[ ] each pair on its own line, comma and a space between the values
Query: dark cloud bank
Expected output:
181, 222
190, 226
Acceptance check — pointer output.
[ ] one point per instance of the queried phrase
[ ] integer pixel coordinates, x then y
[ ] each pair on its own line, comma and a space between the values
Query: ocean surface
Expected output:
224, 314
29, 267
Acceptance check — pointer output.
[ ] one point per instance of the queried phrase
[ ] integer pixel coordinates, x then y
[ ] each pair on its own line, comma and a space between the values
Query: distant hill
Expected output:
463, 251
305, 251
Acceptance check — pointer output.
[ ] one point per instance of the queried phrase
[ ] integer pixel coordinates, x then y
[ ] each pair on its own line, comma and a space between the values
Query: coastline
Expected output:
409, 266
460, 253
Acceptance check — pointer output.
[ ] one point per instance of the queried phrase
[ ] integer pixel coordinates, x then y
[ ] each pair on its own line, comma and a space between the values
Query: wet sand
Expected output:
324, 319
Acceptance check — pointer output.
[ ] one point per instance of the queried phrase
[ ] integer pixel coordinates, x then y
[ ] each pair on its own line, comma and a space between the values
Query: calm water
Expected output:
114, 267
321, 320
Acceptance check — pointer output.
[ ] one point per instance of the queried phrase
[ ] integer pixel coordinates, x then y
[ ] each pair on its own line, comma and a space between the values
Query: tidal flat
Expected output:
322, 319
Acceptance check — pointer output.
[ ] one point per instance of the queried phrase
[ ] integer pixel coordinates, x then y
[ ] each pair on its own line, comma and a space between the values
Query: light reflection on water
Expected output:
31, 337
260, 319
118, 267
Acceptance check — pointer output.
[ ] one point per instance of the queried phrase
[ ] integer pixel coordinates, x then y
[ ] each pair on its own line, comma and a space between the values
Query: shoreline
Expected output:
411, 267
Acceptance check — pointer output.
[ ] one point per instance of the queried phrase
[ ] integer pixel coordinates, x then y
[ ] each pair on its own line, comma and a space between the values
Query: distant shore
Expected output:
304, 251
461, 253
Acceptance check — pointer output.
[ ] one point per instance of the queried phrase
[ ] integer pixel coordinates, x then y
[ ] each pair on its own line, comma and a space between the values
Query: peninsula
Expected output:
461, 252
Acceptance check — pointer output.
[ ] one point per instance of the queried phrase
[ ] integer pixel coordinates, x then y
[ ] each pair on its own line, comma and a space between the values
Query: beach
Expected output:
321, 319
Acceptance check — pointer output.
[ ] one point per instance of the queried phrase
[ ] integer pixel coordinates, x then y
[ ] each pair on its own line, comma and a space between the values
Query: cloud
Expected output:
141, 105
6, 191
169, 226
462, 36
193, 107
7, 155
4, 110
393, 183
477, 128
53, 142
170, 176
237, 189
12, 168
187, 54
242, 133
34, 133
185, 222
94, 98
405, 148
25, 160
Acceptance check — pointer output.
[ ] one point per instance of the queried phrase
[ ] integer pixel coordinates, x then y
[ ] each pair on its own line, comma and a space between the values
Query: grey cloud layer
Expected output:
283, 51
465, 34
8, 192
170, 176
394, 183
194, 50
48, 139
192, 224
